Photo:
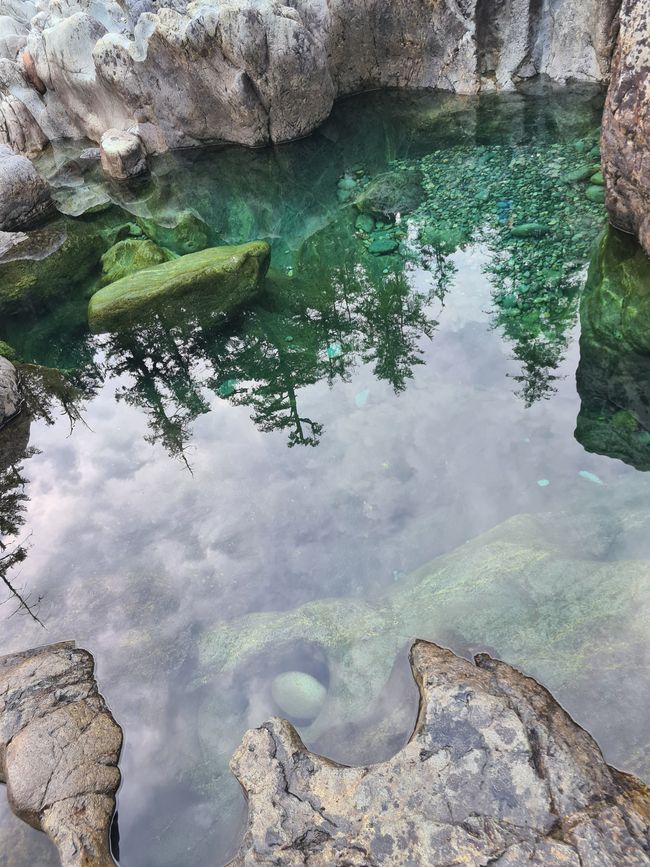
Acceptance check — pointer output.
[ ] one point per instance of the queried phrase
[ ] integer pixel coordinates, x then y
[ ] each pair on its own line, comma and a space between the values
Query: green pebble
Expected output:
383, 246
596, 194
298, 694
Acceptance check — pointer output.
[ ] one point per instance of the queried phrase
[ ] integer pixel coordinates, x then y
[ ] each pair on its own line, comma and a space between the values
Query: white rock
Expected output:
24, 193
122, 154
10, 399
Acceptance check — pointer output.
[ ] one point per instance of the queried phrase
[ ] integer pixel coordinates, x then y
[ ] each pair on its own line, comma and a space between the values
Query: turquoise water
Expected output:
366, 415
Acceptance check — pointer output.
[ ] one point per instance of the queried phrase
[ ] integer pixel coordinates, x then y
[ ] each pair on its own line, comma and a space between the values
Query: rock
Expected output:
626, 126
129, 256
183, 231
223, 276
392, 193
597, 179
298, 694
122, 155
581, 174
613, 376
529, 230
10, 399
383, 246
364, 224
59, 749
254, 71
596, 194
24, 194
495, 772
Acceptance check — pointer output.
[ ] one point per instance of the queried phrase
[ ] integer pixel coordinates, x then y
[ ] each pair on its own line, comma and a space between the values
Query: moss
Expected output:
223, 276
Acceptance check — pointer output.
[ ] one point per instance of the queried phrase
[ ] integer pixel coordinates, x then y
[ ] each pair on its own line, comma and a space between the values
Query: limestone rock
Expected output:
122, 155
59, 748
222, 276
626, 126
495, 772
190, 72
10, 399
24, 194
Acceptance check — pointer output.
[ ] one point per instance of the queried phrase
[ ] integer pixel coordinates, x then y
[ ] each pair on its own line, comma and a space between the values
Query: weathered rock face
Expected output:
59, 748
626, 125
24, 194
252, 71
495, 772
223, 276
10, 399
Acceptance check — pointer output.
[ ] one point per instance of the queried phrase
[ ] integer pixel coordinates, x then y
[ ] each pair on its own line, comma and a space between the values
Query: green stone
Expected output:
383, 246
597, 179
364, 223
7, 351
529, 230
299, 695
129, 256
223, 276
596, 194
580, 174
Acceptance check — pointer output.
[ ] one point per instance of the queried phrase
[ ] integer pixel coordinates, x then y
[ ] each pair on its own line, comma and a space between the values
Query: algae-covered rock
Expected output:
185, 232
596, 194
529, 230
392, 193
129, 256
223, 276
613, 376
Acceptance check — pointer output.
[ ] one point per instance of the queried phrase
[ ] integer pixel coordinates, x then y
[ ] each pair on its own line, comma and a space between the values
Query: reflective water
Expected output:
366, 415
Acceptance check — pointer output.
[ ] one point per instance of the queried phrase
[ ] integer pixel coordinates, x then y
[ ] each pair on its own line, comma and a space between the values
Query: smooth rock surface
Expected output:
10, 399
494, 773
24, 193
59, 748
222, 276
186, 72
626, 125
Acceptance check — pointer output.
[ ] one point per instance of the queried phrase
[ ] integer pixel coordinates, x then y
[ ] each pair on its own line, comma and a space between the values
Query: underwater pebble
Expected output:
361, 399
227, 388
298, 694
334, 350
543, 483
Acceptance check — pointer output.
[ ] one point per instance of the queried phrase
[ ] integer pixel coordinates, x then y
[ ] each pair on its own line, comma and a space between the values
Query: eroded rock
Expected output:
59, 749
495, 772
626, 125
122, 155
24, 193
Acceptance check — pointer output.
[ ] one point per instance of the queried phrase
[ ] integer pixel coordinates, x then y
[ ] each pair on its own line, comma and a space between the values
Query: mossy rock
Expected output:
130, 256
224, 277
7, 351
188, 233
392, 193
49, 264
596, 194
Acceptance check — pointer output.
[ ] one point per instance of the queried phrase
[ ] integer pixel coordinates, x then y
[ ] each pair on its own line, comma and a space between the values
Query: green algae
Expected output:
131, 255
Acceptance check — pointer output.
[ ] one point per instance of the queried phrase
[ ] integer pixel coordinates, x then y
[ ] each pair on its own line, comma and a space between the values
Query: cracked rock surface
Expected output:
59, 748
626, 125
496, 772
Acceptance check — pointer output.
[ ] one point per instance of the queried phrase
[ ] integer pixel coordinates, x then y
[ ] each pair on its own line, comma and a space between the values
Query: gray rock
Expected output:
10, 399
186, 72
122, 155
626, 126
495, 772
59, 748
24, 193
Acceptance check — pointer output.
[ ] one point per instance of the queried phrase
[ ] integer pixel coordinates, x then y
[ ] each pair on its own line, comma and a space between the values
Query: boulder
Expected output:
130, 256
24, 193
626, 126
224, 277
59, 749
10, 399
392, 193
495, 772
122, 155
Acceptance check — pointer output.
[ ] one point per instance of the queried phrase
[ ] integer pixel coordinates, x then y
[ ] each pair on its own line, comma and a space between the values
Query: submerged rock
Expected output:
392, 193
130, 256
24, 194
59, 749
495, 772
626, 125
224, 276
10, 399
298, 694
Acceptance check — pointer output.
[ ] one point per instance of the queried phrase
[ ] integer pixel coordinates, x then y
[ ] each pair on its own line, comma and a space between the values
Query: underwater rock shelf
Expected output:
496, 772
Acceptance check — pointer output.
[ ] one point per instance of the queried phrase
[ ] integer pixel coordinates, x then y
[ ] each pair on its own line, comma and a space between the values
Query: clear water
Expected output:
365, 416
